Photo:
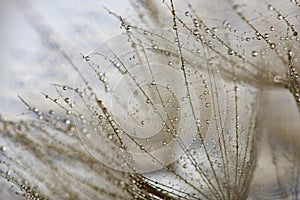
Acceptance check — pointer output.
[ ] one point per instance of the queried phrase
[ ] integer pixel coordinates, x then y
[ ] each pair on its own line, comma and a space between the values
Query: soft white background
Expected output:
30, 61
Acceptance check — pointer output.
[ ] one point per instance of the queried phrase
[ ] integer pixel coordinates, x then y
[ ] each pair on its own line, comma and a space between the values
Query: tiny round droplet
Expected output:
230, 52
67, 100
272, 45
254, 53
237, 8
87, 58
84, 130
214, 29
277, 79
3, 148
155, 46
270, 7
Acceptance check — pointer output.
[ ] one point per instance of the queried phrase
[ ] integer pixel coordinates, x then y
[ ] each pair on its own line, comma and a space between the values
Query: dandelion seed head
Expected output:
188, 110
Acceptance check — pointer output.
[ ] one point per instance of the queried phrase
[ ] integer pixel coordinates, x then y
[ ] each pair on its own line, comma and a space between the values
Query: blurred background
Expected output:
32, 34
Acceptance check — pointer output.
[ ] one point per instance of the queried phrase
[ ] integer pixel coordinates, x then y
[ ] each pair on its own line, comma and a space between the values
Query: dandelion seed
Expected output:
189, 110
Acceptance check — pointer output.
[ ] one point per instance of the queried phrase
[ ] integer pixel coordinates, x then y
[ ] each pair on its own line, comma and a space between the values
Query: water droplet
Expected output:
196, 32
8, 172
88, 136
266, 35
259, 37
155, 46
270, 7
237, 8
230, 52
196, 23
254, 53
67, 100
214, 29
279, 16
84, 130
3, 148
295, 33
272, 45
67, 121
87, 58
236, 88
